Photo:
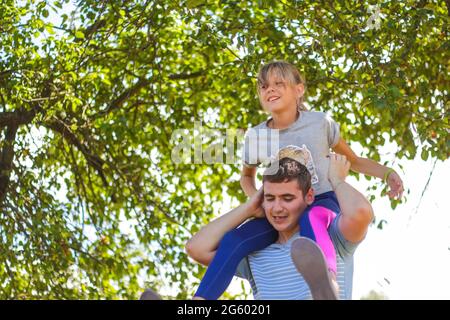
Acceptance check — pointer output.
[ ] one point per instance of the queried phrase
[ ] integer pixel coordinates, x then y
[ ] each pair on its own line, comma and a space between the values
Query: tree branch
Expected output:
100, 23
16, 118
424, 190
124, 96
45, 98
12, 121
184, 76
92, 159
6, 159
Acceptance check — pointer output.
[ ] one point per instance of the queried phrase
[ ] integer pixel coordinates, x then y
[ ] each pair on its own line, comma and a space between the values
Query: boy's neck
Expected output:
284, 236
284, 119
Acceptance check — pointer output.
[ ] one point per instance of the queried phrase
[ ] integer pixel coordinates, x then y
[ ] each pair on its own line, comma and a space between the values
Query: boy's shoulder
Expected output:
344, 248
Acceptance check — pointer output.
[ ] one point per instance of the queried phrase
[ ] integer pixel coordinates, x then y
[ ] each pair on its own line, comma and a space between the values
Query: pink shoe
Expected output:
310, 261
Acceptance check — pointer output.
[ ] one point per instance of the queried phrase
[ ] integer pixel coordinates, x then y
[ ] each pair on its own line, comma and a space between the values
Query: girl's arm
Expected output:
248, 184
371, 168
203, 245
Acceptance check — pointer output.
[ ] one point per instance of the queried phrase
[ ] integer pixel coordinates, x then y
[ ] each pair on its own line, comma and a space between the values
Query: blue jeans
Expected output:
251, 236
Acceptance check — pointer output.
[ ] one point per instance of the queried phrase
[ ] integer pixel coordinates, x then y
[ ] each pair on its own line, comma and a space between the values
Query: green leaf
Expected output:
291, 13
394, 91
381, 224
424, 155
79, 35
49, 29
191, 4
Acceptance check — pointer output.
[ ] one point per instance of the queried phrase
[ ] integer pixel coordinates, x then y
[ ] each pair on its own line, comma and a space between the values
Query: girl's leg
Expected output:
314, 224
254, 235
317, 263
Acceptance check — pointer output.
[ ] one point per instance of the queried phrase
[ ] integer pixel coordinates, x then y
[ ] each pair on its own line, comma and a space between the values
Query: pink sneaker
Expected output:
310, 261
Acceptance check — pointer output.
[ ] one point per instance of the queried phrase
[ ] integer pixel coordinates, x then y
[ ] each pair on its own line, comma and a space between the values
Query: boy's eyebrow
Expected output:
283, 195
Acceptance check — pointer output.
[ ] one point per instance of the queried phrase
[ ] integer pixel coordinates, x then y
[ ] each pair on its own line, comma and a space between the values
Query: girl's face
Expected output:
278, 95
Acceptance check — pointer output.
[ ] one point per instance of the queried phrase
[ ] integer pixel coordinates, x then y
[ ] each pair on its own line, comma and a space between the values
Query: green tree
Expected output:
92, 91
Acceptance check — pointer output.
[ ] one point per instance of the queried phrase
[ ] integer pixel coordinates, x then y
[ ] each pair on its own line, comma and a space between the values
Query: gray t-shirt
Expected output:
315, 130
273, 276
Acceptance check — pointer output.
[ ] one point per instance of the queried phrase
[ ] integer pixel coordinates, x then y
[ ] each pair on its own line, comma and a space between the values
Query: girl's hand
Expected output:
395, 184
255, 204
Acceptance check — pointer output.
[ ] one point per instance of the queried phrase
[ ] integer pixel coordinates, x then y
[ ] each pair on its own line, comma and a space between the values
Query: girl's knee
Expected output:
322, 214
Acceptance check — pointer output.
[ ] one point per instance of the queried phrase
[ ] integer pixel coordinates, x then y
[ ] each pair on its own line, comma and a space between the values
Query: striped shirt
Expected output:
273, 276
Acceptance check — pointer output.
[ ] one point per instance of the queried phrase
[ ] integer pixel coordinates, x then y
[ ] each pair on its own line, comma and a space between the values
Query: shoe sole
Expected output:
310, 261
149, 294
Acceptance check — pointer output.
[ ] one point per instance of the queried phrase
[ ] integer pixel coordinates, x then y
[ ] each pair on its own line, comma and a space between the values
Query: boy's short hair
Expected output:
287, 169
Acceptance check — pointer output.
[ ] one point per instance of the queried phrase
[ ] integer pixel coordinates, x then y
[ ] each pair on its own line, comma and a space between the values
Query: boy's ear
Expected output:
309, 198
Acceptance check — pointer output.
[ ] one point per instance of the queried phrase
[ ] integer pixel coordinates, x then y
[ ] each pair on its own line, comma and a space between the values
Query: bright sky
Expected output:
410, 257
413, 250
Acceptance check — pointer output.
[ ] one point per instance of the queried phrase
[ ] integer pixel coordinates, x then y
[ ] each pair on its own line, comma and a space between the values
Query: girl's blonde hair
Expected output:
286, 71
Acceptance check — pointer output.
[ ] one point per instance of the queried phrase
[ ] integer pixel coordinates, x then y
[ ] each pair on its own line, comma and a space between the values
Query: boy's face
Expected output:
284, 203
278, 94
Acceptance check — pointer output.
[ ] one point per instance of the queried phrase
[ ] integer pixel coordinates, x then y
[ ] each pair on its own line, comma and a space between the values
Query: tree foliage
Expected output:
92, 91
